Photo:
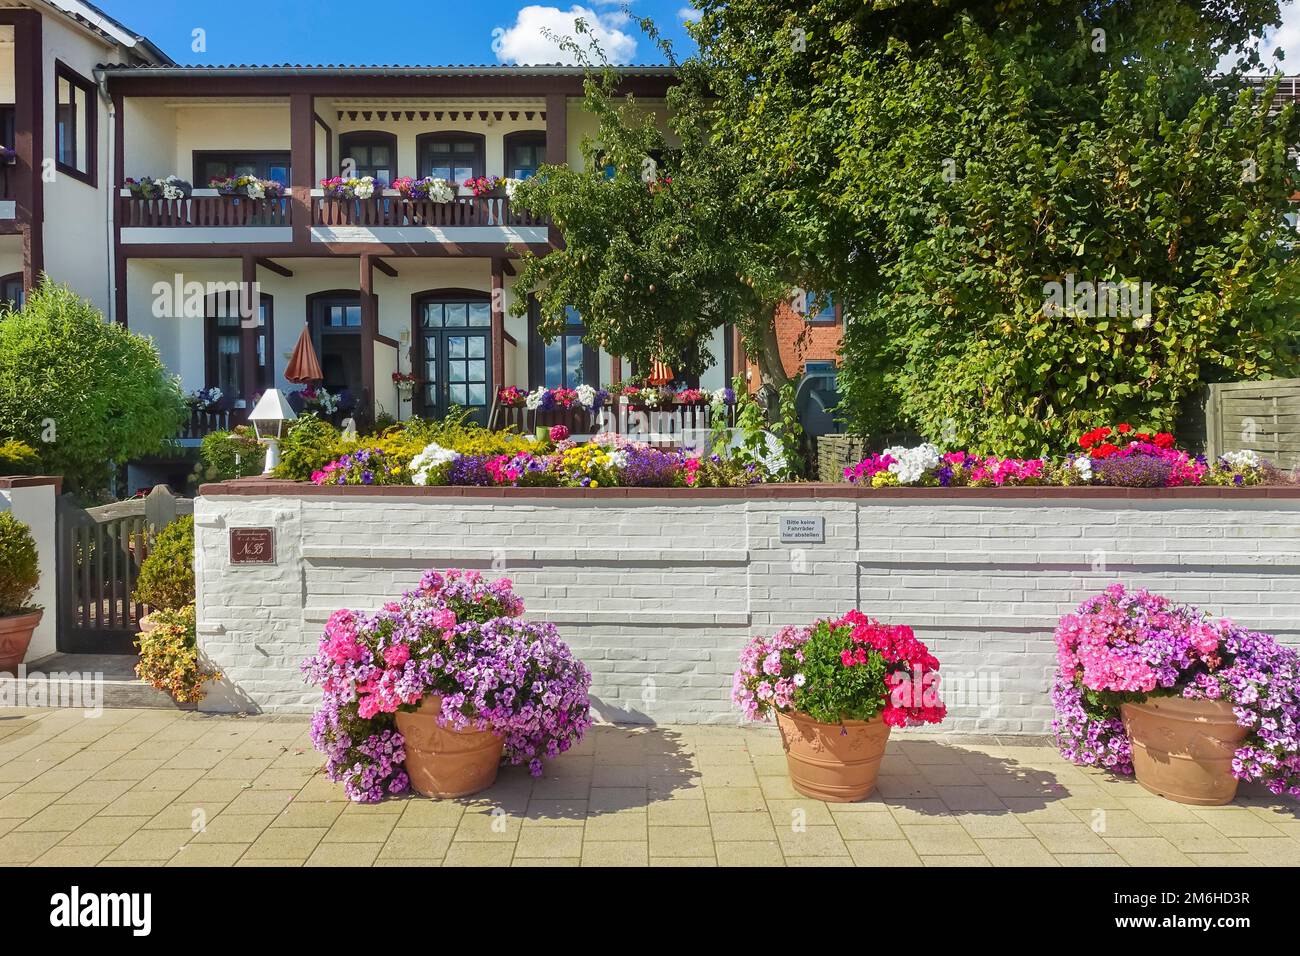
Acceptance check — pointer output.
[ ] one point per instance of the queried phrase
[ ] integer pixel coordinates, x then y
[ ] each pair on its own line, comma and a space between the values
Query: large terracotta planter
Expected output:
837, 763
15, 637
1182, 749
443, 762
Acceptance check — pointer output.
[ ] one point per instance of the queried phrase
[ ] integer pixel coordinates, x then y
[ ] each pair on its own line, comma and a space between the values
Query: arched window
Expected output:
224, 345
11, 290
374, 153
525, 152
454, 156
564, 361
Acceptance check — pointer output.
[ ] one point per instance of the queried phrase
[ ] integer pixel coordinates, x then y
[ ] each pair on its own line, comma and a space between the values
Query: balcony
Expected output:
204, 216
391, 218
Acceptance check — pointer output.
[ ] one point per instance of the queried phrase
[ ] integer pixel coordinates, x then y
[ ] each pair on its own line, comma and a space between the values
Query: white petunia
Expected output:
911, 464
1241, 460
365, 187
423, 464
533, 401
255, 189
1084, 467
586, 396
441, 191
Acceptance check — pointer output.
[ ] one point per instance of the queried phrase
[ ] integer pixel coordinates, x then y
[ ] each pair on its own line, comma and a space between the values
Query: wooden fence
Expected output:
1263, 417
100, 551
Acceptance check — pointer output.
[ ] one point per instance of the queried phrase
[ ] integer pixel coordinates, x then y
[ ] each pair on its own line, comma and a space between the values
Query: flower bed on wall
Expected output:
1120, 457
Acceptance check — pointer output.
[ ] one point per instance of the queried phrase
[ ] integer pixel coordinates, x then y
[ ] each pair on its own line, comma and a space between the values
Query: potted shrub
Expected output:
166, 579
433, 690
1188, 704
836, 689
19, 575
169, 656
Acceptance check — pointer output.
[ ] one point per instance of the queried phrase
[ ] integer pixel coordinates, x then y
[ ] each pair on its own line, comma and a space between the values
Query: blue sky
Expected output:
335, 31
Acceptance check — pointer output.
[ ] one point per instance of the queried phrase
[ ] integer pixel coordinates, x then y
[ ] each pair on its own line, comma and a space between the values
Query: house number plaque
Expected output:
252, 546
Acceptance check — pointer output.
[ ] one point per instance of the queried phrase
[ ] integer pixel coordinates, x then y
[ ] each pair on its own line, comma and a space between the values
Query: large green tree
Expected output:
86, 394
666, 236
941, 164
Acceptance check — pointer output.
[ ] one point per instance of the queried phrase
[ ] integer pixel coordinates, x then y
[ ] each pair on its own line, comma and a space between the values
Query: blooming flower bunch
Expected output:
482, 185
431, 188
511, 186
1105, 441
647, 396
250, 186
585, 396
319, 399
647, 467
559, 433
723, 396
169, 187
589, 466
205, 398
852, 668
432, 466
512, 396
691, 396
363, 187
1121, 646
523, 469
458, 637
365, 466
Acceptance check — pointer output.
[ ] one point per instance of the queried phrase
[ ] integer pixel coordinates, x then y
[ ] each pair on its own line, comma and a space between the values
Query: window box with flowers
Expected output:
364, 187
836, 688
168, 187
405, 382
249, 186
429, 188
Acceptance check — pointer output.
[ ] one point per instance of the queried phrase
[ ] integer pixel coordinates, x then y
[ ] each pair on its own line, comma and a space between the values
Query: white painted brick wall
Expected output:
657, 597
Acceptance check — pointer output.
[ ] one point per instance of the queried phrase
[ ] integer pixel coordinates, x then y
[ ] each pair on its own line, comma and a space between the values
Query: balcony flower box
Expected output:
8, 156
248, 186
168, 187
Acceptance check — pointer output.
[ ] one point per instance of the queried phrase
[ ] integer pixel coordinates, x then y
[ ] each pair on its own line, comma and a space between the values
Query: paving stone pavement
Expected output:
154, 788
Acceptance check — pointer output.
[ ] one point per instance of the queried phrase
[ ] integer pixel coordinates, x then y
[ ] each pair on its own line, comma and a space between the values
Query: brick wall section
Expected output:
656, 591
802, 341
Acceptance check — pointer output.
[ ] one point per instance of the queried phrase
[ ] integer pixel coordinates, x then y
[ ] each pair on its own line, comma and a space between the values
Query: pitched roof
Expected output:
96, 21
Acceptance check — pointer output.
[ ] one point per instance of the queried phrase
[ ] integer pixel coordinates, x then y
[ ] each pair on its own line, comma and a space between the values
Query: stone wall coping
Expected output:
32, 481
271, 487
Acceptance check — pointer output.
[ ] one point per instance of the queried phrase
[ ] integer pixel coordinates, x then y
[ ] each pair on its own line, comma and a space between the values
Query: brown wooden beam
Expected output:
508, 266
384, 267
369, 330
302, 162
492, 87
498, 326
249, 307
272, 266
115, 184
29, 130
557, 129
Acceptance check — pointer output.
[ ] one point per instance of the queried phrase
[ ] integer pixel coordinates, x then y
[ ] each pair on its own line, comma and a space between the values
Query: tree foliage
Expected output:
940, 163
666, 237
86, 394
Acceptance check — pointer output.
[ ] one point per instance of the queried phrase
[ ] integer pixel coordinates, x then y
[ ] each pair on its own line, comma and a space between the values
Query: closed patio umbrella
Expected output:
304, 366
660, 373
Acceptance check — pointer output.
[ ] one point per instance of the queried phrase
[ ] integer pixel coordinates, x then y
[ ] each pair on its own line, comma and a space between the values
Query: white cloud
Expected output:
526, 41
1286, 37
688, 13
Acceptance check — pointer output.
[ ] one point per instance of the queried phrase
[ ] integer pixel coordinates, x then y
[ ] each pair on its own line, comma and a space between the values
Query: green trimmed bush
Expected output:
19, 570
167, 575
226, 455
18, 458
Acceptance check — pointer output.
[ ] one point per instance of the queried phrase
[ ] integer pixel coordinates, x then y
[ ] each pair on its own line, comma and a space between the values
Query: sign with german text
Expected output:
798, 529
252, 546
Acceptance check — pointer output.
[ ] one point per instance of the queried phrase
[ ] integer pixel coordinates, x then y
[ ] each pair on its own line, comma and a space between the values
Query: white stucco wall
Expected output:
34, 505
657, 591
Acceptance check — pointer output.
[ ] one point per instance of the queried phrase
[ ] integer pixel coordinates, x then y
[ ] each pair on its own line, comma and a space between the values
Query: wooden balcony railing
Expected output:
671, 425
203, 209
203, 422
391, 209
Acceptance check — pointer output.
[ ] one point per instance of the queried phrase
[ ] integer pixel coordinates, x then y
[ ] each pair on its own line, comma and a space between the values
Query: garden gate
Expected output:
99, 555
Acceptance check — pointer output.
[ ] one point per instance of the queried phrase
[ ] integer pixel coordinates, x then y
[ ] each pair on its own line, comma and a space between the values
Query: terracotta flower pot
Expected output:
15, 637
837, 763
443, 762
1182, 749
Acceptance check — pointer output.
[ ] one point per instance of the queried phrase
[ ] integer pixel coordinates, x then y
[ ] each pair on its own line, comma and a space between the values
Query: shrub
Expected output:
169, 657
88, 393
18, 458
167, 574
310, 444
226, 455
19, 571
